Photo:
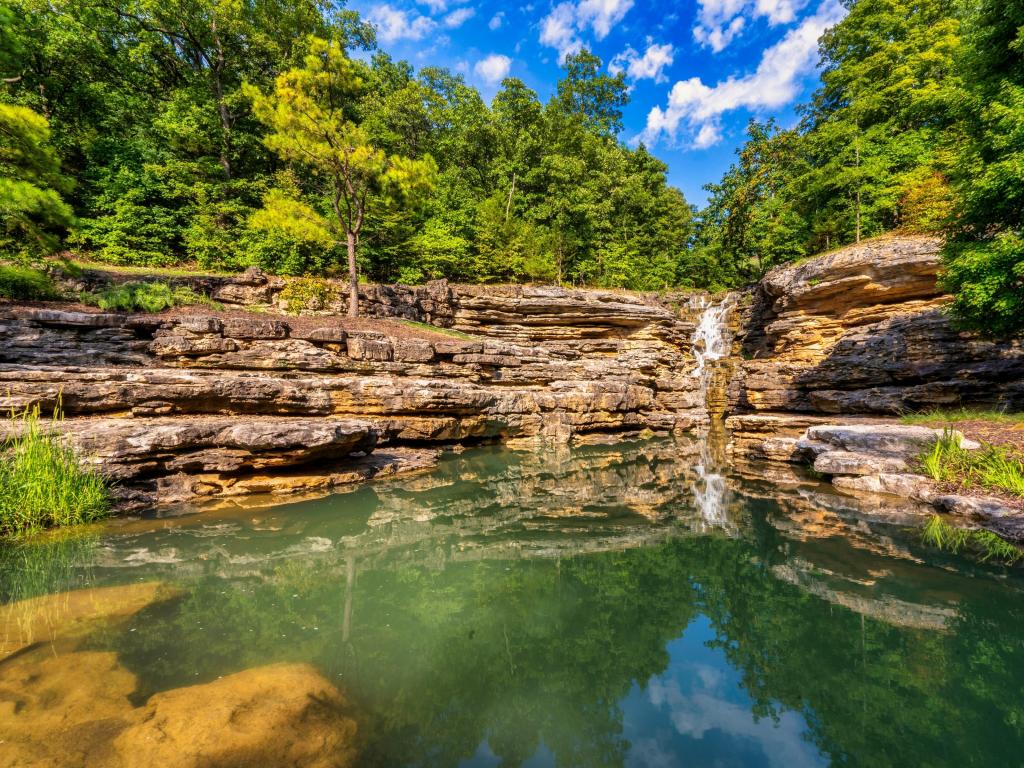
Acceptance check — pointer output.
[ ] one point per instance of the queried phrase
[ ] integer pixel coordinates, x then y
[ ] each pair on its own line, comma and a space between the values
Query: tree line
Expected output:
226, 133
918, 125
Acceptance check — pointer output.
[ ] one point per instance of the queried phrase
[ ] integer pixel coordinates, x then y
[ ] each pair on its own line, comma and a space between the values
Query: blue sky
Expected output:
698, 70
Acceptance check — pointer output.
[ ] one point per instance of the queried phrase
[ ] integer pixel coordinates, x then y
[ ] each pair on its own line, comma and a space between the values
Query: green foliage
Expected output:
985, 257
178, 123
873, 151
26, 284
992, 467
307, 294
32, 211
42, 482
148, 296
984, 544
309, 118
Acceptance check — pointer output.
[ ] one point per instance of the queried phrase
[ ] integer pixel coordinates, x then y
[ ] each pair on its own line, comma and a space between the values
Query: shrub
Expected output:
145, 297
42, 482
307, 293
26, 284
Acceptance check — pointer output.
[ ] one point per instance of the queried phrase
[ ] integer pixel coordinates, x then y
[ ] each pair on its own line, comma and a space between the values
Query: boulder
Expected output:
278, 715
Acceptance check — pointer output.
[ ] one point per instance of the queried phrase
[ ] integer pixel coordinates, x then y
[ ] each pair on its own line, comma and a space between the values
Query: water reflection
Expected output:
583, 608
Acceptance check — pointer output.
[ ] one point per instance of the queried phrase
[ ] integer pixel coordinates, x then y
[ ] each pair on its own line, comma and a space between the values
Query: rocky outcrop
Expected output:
832, 349
202, 403
883, 459
862, 331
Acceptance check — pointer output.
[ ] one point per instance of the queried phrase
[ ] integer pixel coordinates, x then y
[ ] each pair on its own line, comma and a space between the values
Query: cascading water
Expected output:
711, 341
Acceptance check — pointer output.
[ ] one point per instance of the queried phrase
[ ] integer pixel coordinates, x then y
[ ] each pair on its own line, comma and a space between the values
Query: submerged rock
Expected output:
278, 715
63, 710
73, 710
69, 615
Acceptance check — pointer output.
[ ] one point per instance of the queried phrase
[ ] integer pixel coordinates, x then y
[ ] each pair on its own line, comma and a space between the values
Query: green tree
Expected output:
32, 211
309, 114
984, 257
588, 94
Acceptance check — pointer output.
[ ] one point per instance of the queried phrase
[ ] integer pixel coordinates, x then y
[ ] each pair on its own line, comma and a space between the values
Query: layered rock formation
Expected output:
834, 348
203, 403
859, 334
862, 330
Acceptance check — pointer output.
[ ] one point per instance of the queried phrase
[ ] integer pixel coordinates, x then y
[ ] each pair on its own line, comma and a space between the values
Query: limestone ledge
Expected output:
880, 459
862, 331
200, 404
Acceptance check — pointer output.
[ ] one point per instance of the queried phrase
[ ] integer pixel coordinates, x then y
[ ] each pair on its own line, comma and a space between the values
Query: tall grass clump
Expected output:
979, 542
992, 467
42, 483
145, 297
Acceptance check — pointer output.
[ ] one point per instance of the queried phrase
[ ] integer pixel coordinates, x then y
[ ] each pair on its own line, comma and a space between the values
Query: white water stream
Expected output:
711, 341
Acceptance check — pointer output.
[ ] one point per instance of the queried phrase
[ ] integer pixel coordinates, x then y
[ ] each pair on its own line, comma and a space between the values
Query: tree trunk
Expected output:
512, 191
857, 150
222, 108
353, 276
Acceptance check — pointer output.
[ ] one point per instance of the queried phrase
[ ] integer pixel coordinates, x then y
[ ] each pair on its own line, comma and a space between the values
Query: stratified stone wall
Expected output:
203, 403
863, 331
858, 335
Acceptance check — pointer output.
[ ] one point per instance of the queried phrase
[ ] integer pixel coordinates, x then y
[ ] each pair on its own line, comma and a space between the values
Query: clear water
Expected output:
580, 609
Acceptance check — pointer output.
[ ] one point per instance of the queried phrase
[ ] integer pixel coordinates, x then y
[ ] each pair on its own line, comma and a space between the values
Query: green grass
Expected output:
26, 284
962, 414
101, 266
145, 297
42, 482
990, 467
438, 329
979, 542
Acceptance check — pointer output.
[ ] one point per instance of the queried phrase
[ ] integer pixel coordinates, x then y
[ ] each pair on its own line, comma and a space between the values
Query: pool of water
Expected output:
612, 605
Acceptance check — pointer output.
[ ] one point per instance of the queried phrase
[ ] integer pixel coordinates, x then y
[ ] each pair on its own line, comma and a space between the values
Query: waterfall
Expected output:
711, 339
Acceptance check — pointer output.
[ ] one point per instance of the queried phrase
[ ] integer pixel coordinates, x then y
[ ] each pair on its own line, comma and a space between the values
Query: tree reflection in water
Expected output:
577, 609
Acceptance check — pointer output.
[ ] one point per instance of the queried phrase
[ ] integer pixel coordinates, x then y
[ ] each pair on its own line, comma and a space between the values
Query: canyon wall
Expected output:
197, 403
859, 334
204, 402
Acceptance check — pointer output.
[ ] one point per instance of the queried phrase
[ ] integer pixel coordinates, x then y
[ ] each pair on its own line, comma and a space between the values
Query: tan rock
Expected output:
283, 714
69, 615
63, 710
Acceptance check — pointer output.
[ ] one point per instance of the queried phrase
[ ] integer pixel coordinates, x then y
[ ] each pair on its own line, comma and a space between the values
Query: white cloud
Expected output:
496, 20
562, 28
694, 713
458, 17
719, 22
394, 24
435, 6
494, 68
650, 66
696, 108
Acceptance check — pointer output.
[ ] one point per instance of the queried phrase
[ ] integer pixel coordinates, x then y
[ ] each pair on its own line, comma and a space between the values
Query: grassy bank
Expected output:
42, 483
992, 468
953, 415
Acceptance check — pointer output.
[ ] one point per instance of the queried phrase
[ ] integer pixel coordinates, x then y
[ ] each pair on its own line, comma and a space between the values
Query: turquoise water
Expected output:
600, 607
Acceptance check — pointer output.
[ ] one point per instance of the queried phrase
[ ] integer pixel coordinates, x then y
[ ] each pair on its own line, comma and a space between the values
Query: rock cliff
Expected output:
202, 403
199, 403
855, 335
